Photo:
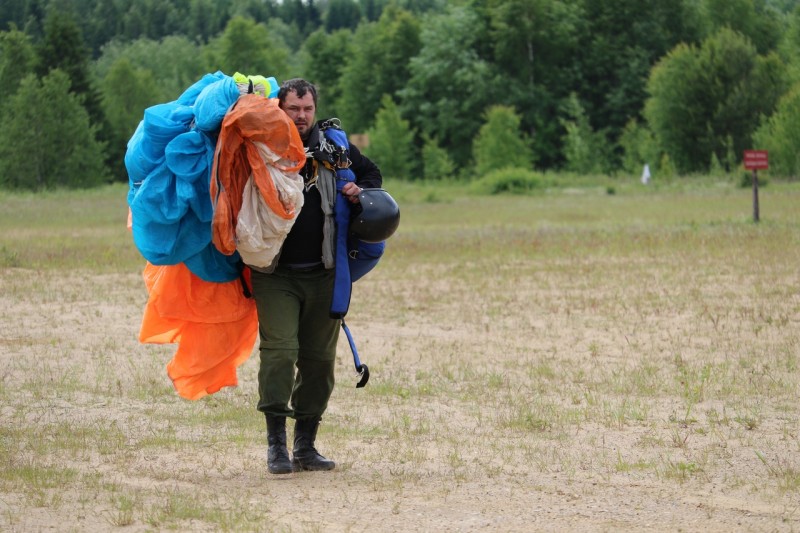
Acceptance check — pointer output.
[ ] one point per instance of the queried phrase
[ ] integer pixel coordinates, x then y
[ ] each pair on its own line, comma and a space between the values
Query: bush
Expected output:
746, 180
509, 180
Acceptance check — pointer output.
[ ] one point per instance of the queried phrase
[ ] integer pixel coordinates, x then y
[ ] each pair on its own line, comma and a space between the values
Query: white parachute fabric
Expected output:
259, 231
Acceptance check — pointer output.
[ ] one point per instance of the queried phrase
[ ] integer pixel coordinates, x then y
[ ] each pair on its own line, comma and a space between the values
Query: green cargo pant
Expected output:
296, 331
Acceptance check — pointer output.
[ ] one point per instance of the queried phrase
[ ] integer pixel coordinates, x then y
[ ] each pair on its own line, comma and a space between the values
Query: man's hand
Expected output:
351, 191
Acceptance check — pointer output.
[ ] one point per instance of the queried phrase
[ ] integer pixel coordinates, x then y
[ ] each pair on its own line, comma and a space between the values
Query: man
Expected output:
293, 296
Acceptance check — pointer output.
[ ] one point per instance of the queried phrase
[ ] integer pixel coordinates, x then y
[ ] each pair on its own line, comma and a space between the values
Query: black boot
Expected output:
277, 454
305, 456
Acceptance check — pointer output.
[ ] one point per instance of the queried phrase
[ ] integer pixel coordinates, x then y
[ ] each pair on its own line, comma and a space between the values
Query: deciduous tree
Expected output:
758, 20
175, 62
619, 41
780, 135
701, 96
378, 65
325, 56
436, 162
126, 91
450, 84
245, 46
532, 40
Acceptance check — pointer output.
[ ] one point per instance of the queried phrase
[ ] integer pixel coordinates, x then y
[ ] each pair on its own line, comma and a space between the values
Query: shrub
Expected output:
746, 180
511, 180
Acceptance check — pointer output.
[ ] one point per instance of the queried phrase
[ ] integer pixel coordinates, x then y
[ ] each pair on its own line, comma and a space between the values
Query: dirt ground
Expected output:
566, 403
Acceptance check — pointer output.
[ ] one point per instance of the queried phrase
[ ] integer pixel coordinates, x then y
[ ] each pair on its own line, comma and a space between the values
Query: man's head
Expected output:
298, 98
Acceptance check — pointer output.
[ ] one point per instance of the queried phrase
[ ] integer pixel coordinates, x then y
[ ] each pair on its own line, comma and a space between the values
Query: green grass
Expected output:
67, 229
569, 340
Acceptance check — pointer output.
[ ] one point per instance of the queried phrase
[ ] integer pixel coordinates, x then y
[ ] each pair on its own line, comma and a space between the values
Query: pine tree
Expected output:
46, 139
436, 162
585, 150
391, 142
17, 58
342, 14
63, 48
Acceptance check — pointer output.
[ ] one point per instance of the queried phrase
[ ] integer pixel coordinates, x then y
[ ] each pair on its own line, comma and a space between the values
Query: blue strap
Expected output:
360, 368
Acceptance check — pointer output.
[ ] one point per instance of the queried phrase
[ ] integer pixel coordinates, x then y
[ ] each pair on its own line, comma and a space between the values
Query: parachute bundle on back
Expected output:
259, 152
186, 224
214, 186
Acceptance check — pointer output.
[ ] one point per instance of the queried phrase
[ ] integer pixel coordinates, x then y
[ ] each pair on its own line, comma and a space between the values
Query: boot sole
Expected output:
300, 467
279, 465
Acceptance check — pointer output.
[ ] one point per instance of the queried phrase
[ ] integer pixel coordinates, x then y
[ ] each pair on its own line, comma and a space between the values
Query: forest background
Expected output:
504, 92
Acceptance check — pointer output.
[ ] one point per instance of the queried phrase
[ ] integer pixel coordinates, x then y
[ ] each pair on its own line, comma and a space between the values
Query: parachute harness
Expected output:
334, 157
334, 154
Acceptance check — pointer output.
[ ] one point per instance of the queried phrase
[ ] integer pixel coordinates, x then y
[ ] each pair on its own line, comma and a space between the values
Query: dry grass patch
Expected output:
575, 361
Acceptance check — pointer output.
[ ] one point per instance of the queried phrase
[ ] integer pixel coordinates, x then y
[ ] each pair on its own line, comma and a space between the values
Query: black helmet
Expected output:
378, 218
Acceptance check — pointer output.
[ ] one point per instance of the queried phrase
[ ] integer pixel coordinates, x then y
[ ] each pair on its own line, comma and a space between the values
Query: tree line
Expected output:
442, 88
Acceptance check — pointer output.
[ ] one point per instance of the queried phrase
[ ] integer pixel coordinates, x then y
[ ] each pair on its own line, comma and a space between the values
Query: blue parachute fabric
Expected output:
162, 223
155, 209
189, 96
274, 88
212, 265
169, 163
145, 151
190, 157
213, 102
342, 285
363, 257
162, 123
172, 210
138, 166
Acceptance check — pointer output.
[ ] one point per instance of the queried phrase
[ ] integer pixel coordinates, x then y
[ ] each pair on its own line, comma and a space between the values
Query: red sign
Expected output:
756, 159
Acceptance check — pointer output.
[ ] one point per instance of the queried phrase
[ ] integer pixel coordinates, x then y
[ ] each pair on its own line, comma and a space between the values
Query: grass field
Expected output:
573, 360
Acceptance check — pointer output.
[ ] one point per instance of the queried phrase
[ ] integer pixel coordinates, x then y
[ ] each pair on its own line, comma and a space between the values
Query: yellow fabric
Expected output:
257, 80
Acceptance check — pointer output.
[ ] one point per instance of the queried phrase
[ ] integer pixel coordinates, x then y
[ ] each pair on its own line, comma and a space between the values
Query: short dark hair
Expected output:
299, 86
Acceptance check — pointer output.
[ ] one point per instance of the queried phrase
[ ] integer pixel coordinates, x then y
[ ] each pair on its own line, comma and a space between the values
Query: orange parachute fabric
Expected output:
253, 119
214, 324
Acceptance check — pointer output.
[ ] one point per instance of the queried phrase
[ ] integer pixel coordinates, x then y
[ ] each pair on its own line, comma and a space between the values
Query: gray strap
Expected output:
326, 183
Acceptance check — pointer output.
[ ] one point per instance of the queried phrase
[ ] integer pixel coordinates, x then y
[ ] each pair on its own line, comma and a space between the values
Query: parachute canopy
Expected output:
227, 127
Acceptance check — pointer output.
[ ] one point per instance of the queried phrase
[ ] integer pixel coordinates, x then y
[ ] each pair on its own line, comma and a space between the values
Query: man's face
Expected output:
301, 111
